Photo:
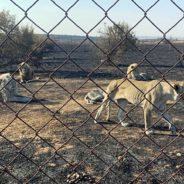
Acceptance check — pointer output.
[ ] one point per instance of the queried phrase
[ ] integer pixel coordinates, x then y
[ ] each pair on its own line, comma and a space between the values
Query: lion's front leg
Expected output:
108, 106
147, 121
167, 118
5, 94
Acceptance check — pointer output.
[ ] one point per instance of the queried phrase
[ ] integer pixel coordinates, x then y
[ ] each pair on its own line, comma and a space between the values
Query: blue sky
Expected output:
86, 15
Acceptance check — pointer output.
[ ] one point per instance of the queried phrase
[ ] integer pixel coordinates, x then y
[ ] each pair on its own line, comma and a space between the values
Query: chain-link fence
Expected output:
52, 137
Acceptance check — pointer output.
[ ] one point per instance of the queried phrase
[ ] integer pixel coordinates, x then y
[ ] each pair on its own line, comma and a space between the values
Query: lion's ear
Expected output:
177, 87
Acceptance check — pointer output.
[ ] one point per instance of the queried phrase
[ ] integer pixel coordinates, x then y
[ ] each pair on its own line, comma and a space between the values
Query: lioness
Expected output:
94, 96
8, 90
134, 73
150, 95
26, 72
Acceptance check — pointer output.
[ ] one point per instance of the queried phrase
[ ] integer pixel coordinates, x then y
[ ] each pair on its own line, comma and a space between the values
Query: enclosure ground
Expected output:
43, 143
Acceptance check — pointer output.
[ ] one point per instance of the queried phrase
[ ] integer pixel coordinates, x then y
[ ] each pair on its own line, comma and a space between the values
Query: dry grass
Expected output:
58, 141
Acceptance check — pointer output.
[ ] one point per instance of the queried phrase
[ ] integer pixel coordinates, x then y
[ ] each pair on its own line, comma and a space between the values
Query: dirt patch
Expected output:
43, 143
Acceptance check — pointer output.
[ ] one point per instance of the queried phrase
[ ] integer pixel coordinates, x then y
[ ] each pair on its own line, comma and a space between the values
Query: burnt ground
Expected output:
43, 142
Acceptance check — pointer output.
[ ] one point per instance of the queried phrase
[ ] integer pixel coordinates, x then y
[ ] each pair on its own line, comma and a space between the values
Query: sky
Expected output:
90, 18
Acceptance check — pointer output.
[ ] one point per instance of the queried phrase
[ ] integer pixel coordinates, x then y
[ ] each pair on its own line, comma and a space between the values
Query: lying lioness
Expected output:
94, 96
150, 95
26, 72
8, 91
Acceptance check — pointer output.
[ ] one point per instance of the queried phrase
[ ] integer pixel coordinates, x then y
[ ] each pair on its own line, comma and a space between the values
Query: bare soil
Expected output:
43, 142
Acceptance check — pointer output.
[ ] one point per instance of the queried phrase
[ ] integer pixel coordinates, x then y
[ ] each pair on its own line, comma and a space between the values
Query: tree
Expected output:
26, 40
7, 23
8, 35
116, 39
15, 42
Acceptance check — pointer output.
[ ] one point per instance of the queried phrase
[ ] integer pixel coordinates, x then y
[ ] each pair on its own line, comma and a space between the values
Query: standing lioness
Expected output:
150, 95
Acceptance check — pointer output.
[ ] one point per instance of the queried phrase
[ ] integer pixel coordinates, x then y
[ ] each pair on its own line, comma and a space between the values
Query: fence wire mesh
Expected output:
56, 141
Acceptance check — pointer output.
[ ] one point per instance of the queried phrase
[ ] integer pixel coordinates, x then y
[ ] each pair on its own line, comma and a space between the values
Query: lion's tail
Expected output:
109, 92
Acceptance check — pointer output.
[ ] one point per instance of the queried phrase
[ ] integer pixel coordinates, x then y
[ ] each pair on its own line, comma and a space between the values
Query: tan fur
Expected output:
8, 90
150, 95
8, 87
26, 72
133, 72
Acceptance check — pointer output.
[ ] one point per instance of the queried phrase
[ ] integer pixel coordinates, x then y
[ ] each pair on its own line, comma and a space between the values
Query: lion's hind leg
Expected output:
20, 98
105, 104
99, 112
120, 115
